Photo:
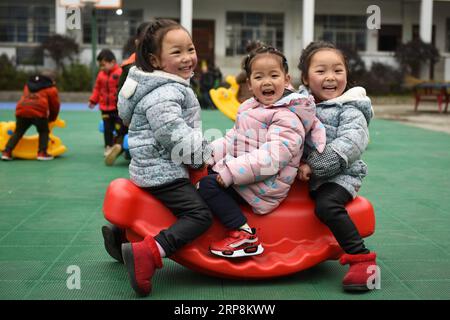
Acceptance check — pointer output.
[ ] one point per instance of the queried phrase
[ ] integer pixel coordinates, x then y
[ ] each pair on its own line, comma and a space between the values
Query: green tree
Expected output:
75, 77
11, 78
413, 54
60, 47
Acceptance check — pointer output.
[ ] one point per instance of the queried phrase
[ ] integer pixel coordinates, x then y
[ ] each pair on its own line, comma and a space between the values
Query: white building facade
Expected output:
221, 28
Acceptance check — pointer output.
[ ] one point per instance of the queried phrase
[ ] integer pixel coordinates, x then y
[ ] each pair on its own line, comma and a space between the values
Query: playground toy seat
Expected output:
226, 99
293, 237
28, 146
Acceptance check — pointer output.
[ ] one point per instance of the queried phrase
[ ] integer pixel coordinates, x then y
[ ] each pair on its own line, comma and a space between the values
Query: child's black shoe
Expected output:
114, 237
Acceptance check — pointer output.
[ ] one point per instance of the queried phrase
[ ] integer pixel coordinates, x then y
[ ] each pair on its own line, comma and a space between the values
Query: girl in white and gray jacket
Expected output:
162, 112
336, 174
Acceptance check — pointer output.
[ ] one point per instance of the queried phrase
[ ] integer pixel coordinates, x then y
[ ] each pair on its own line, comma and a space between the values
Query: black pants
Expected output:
205, 100
224, 203
330, 201
22, 125
111, 122
194, 216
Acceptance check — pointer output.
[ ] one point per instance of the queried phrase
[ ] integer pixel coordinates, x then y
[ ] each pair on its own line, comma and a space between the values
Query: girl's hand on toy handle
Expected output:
304, 172
91, 105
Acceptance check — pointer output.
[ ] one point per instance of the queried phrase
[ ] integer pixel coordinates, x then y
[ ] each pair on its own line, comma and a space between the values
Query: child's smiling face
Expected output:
177, 55
268, 79
327, 75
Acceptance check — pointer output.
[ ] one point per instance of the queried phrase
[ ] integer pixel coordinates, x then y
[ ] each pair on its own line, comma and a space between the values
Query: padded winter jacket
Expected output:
164, 131
260, 155
39, 100
346, 120
106, 88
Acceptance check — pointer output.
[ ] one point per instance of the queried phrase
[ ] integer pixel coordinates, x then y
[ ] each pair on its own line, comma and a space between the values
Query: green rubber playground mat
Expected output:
50, 220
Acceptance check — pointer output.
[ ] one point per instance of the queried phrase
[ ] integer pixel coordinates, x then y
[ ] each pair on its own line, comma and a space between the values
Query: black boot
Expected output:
114, 237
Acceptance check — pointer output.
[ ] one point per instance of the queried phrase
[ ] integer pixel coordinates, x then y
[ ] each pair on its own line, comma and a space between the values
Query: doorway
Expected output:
204, 38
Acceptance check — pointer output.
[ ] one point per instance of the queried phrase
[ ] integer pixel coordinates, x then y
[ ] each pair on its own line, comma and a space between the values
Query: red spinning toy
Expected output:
293, 237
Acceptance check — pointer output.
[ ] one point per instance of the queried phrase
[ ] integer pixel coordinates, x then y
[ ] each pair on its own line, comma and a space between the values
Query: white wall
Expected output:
381, 57
151, 9
293, 37
446, 68
441, 12
392, 12
404, 12
10, 52
216, 10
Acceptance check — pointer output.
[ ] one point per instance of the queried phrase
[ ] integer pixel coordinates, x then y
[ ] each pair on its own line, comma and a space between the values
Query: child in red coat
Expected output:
38, 106
105, 94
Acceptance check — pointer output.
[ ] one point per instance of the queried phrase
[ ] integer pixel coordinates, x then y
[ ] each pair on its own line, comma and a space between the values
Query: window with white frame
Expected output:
243, 27
26, 23
112, 28
343, 31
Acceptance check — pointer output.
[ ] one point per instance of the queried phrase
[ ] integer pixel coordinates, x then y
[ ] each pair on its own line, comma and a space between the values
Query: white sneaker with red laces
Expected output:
7, 155
238, 243
44, 156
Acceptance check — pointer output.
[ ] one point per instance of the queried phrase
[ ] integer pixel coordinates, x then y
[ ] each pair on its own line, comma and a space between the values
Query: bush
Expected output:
11, 78
75, 77
60, 47
356, 66
382, 79
412, 55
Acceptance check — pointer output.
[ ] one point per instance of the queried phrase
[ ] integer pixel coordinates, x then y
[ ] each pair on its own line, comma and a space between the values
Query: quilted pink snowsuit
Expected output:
261, 154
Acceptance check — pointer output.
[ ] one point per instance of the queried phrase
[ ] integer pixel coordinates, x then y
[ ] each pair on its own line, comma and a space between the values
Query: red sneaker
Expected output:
141, 259
238, 243
363, 267
44, 156
7, 155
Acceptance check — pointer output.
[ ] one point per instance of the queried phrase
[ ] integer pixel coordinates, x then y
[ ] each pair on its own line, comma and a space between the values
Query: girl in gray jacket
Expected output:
336, 174
163, 116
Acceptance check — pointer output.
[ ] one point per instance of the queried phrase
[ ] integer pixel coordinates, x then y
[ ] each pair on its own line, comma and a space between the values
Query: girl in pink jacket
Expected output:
257, 161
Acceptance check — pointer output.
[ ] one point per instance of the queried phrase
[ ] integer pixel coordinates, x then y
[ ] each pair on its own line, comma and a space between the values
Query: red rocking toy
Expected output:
294, 239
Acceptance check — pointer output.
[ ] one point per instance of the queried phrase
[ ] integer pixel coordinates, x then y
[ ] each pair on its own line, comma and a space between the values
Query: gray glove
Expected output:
325, 164
206, 156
